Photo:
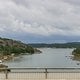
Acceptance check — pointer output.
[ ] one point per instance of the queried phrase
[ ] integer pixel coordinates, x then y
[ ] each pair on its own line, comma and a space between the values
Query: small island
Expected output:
10, 48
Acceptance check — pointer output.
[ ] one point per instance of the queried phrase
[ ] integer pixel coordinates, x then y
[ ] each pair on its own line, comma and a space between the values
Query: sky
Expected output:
40, 21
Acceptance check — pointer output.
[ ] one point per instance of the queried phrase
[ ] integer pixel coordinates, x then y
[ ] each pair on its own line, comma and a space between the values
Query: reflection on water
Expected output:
50, 57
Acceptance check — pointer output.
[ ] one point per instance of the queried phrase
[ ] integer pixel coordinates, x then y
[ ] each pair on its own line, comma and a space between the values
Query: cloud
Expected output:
73, 2
40, 17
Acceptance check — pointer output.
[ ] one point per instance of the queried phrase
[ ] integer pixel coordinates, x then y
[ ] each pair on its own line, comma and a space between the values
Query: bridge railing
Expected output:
39, 73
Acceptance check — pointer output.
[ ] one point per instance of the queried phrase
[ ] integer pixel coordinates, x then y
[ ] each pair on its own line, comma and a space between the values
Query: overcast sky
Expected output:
45, 21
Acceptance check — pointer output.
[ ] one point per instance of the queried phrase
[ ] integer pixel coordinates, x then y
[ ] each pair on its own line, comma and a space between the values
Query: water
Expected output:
49, 58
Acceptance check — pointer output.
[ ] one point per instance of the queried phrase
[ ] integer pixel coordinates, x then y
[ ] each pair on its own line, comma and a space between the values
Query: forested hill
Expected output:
57, 45
9, 46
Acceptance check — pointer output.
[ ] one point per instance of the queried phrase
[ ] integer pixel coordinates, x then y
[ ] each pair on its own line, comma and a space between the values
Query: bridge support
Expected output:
46, 73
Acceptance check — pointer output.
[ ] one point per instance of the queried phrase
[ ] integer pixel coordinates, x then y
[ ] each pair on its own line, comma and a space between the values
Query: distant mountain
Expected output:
57, 45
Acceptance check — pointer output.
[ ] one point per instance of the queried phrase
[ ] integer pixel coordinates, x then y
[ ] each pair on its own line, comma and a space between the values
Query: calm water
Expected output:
50, 57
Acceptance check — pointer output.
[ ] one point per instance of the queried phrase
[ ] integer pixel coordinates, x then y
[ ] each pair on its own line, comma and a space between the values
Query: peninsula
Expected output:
10, 48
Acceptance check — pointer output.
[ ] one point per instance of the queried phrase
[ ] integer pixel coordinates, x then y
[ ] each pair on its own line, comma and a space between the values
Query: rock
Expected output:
3, 68
77, 63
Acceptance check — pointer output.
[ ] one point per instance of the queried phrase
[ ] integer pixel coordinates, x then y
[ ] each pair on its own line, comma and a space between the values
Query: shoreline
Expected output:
13, 56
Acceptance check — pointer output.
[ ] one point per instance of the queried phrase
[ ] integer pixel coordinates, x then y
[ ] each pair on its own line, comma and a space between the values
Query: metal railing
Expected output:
40, 73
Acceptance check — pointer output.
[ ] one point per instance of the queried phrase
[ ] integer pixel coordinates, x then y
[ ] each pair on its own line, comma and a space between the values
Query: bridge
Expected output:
40, 74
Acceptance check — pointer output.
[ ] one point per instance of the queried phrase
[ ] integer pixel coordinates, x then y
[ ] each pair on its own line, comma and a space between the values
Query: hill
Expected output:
57, 45
12, 47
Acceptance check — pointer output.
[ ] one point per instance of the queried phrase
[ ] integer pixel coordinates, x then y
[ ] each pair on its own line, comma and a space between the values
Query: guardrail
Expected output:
39, 73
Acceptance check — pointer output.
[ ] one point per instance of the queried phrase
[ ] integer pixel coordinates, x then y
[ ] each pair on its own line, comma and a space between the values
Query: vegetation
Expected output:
76, 54
7, 50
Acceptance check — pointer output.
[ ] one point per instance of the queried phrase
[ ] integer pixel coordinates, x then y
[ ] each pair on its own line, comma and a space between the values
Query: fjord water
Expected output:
49, 58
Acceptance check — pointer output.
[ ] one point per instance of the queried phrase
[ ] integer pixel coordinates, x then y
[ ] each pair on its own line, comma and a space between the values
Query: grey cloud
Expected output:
73, 2
41, 17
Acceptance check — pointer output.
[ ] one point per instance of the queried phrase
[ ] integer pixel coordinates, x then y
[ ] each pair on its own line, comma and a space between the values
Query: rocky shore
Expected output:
6, 57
